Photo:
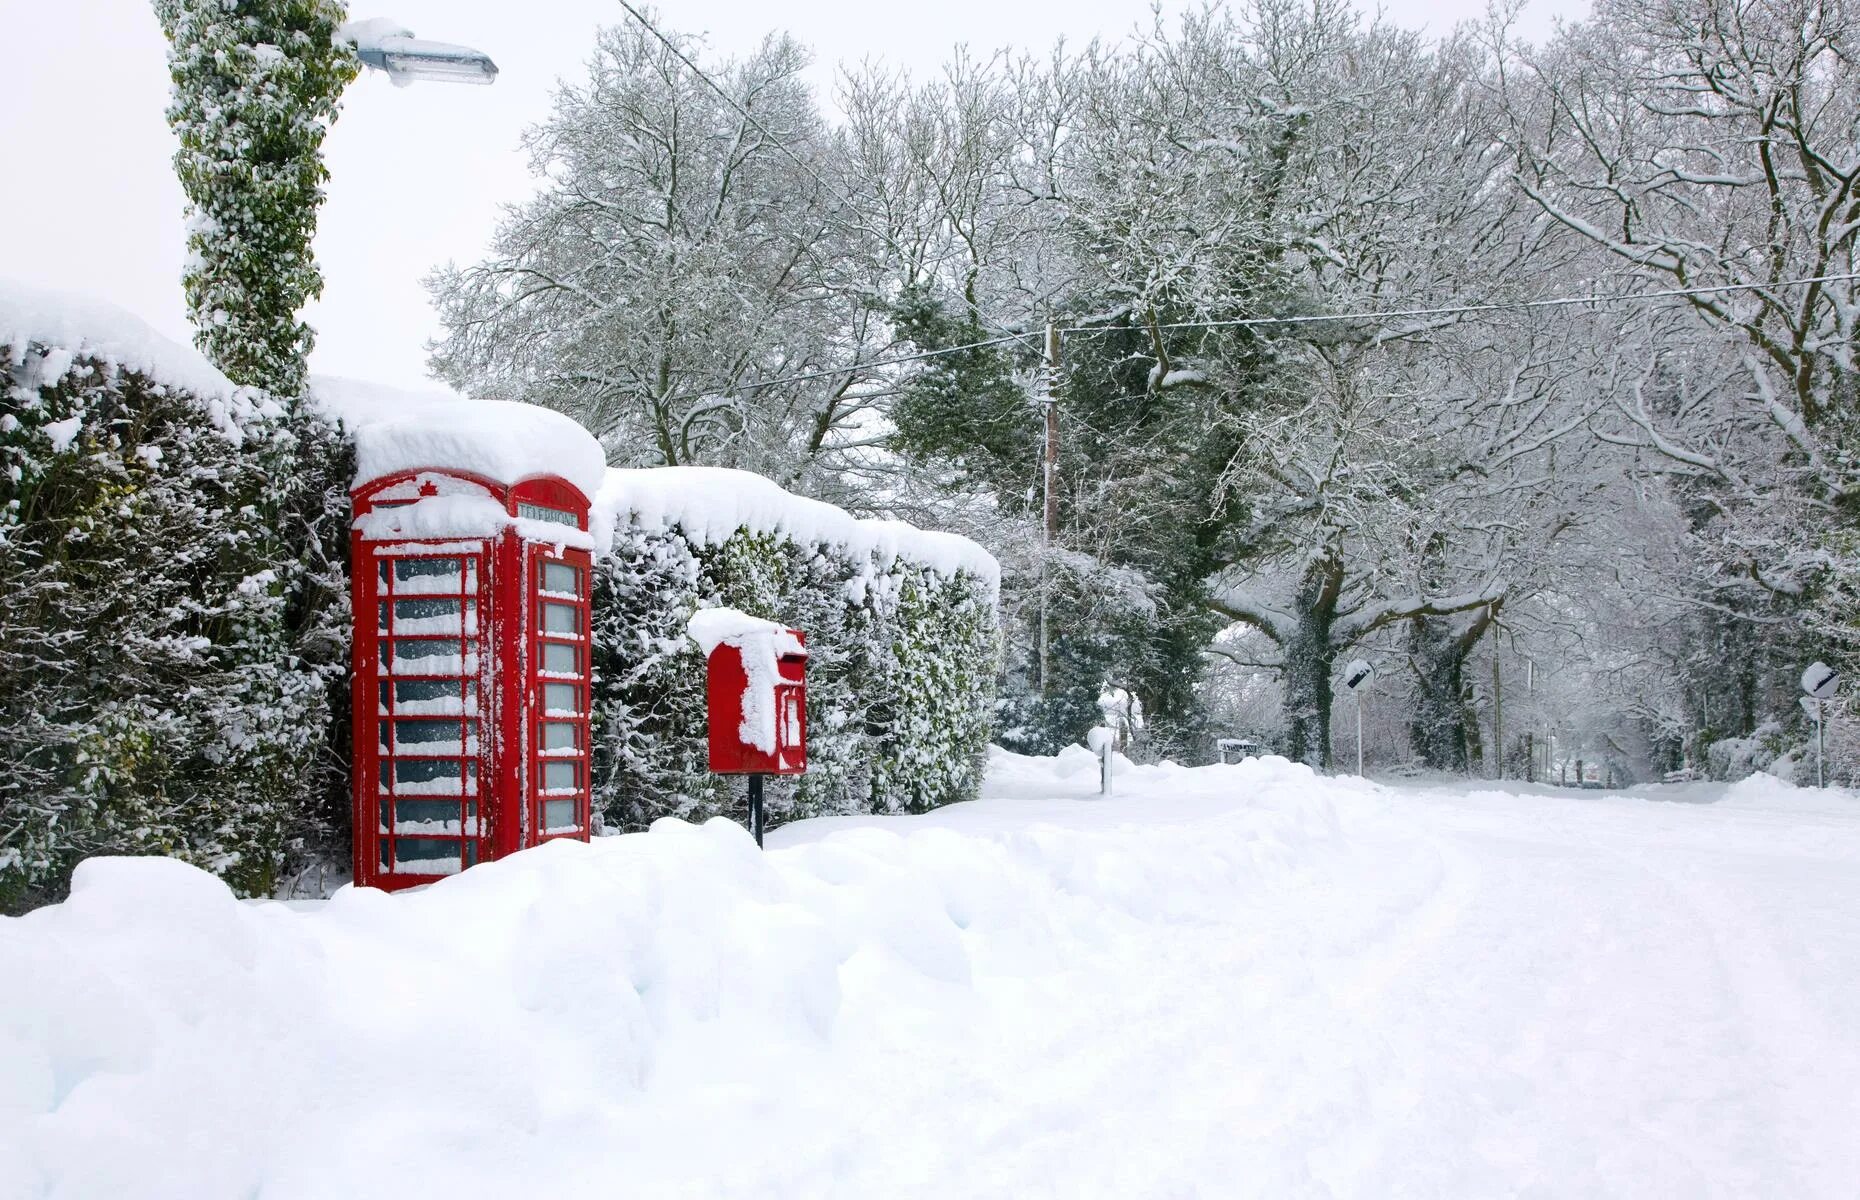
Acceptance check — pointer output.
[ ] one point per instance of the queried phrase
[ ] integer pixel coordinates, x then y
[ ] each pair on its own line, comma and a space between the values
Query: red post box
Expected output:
471, 671
756, 672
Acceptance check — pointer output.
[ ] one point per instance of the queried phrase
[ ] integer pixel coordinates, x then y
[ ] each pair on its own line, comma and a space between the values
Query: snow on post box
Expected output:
757, 693
471, 590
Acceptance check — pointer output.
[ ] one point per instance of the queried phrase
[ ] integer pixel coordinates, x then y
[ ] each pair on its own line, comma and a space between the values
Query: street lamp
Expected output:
390, 48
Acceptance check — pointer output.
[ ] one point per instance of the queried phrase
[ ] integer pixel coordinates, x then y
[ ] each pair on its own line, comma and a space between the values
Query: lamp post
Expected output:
389, 47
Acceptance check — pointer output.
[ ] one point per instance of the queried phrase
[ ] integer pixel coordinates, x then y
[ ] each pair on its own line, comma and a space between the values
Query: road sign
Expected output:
1821, 681
1358, 674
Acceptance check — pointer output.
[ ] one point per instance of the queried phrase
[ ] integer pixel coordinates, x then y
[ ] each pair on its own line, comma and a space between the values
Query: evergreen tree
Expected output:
256, 86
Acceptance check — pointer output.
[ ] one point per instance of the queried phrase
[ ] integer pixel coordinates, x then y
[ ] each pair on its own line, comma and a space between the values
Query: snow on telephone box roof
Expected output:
501, 440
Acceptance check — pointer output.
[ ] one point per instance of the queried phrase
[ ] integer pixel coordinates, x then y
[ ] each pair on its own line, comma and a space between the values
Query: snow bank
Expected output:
506, 442
709, 504
70, 326
663, 1013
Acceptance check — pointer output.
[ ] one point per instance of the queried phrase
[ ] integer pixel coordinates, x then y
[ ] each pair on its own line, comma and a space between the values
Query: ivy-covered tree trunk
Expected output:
256, 86
1437, 725
1309, 657
1442, 730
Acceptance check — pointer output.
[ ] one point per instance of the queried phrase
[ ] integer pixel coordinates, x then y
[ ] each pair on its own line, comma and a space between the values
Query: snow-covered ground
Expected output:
1229, 981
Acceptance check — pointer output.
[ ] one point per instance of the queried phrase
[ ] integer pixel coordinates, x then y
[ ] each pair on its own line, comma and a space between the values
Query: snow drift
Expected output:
573, 1019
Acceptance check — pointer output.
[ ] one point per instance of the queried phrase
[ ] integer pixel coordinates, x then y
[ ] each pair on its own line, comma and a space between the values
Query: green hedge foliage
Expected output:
901, 673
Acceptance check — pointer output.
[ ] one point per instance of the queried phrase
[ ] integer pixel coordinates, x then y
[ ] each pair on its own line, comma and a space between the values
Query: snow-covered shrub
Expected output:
256, 85
166, 639
902, 658
1736, 757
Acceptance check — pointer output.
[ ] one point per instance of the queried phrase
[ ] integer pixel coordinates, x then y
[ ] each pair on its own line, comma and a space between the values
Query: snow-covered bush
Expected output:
167, 631
1736, 757
902, 652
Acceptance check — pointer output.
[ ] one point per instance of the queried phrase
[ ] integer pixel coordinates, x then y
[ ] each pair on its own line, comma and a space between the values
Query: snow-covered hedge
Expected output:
902, 646
174, 622
170, 625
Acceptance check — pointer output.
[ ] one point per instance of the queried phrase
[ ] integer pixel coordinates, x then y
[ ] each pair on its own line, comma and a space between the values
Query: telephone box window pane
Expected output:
385, 785
561, 735
471, 854
427, 771
560, 577
387, 815
428, 648
561, 698
387, 855
425, 568
381, 616
561, 777
382, 693
381, 734
424, 691
559, 814
413, 610
434, 813
422, 732
560, 659
435, 616
429, 656
425, 851
561, 618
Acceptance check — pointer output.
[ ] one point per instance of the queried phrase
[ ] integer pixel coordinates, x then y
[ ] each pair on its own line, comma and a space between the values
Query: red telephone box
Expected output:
471, 671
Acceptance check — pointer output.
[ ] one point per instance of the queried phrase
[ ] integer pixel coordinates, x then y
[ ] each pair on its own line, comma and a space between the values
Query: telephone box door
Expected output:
421, 706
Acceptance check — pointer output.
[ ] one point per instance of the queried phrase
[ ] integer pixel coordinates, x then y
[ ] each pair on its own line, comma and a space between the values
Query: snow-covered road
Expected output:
1238, 981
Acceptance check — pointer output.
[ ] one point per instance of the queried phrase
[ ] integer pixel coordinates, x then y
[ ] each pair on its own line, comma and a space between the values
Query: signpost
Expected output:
1357, 676
1820, 683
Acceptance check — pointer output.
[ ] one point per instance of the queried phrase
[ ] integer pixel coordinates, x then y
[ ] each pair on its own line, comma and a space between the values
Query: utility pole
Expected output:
1498, 729
1049, 468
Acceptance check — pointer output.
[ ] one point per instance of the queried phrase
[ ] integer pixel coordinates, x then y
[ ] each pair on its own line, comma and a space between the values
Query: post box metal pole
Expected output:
755, 807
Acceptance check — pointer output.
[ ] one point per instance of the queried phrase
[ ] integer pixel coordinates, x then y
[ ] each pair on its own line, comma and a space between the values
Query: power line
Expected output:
1307, 319
1496, 306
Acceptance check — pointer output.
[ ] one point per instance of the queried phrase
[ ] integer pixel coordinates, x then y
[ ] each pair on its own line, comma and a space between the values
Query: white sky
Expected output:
418, 174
